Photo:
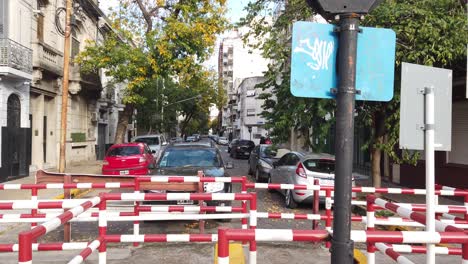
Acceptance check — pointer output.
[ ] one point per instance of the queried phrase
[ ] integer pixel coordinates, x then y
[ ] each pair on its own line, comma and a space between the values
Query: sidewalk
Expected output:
365, 180
89, 167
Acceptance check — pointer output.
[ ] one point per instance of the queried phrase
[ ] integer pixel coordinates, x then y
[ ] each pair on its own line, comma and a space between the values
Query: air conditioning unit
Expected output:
94, 117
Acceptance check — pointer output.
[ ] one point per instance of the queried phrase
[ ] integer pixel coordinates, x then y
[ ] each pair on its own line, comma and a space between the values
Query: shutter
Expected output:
459, 153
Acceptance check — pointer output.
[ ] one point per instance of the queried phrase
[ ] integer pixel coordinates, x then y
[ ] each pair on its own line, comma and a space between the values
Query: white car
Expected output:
303, 168
223, 141
155, 142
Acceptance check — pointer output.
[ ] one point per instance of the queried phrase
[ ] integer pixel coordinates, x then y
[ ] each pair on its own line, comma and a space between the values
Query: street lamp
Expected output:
180, 101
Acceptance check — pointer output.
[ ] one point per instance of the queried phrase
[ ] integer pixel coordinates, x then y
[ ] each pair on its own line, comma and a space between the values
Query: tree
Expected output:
283, 111
155, 40
429, 32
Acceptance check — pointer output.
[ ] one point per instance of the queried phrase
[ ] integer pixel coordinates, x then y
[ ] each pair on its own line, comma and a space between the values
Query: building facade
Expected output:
251, 123
93, 101
15, 78
236, 62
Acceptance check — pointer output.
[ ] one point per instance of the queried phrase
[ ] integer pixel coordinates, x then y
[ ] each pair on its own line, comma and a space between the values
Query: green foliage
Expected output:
159, 40
429, 32
287, 111
78, 137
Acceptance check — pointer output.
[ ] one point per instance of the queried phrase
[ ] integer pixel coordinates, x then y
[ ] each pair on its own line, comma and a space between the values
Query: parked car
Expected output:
197, 137
223, 141
186, 159
241, 148
155, 142
129, 159
302, 168
261, 160
176, 139
190, 139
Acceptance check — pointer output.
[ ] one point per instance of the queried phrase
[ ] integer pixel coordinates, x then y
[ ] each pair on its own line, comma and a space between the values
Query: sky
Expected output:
235, 7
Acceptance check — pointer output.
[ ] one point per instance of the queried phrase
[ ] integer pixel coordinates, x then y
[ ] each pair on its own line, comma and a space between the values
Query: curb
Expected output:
75, 193
359, 257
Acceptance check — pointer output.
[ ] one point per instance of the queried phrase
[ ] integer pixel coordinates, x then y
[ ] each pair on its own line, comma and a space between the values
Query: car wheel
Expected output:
269, 182
289, 200
257, 175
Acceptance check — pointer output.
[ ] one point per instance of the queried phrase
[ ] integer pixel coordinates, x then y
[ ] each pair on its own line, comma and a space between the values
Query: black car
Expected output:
186, 159
240, 148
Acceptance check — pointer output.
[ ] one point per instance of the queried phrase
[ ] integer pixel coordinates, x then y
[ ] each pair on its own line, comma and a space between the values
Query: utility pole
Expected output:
342, 245
66, 73
347, 14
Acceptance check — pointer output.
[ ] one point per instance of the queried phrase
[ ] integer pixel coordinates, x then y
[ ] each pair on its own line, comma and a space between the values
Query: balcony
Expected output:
87, 83
15, 56
48, 58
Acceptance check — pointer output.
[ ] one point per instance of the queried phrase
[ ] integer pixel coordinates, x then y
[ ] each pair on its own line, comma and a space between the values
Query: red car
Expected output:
128, 159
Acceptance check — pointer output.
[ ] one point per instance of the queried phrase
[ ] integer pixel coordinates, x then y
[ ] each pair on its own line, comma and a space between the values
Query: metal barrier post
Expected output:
316, 204
67, 195
102, 220
25, 247
34, 211
136, 212
370, 226
223, 247
253, 225
201, 189
328, 221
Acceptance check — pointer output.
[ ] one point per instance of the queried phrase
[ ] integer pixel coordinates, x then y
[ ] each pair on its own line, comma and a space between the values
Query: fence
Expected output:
449, 226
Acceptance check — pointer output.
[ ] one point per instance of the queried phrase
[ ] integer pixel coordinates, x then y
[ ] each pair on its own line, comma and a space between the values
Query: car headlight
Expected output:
264, 164
211, 187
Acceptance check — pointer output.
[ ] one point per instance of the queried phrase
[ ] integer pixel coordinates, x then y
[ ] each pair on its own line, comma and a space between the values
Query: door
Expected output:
253, 159
277, 171
11, 141
101, 149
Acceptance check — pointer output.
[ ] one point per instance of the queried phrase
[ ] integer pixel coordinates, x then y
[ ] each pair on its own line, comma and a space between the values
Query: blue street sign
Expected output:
313, 64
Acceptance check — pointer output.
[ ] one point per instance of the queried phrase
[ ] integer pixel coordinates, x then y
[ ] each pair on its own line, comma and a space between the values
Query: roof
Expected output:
131, 144
148, 136
319, 156
192, 145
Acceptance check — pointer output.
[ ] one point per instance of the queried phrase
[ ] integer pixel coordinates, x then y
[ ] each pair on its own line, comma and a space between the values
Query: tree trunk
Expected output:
185, 123
124, 118
376, 152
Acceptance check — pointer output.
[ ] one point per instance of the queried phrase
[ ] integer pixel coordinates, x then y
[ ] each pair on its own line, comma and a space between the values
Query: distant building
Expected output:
251, 123
236, 62
15, 76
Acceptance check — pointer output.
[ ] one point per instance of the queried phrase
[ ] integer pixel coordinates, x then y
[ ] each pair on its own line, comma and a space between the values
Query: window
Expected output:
124, 151
150, 141
40, 27
75, 45
250, 112
292, 160
190, 158
320, 165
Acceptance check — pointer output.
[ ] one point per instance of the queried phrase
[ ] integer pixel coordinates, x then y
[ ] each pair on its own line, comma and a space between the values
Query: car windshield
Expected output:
124, 151
148, 140
268, 152
190, 158
246, 143
320, 165
223, 138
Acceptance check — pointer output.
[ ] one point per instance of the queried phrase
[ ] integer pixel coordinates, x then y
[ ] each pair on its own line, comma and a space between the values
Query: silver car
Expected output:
302, 168
155, 142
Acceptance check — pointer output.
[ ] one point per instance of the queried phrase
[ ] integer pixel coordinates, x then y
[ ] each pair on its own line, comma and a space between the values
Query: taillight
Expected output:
300, 171
142, 160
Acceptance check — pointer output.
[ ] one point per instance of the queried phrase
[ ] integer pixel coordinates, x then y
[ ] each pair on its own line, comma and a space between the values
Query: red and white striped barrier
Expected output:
87, 251
161, 238
26, 238
61, 186
423, 249
183, 208
176, 196
31, 204
188, 179
392, 254
45, 246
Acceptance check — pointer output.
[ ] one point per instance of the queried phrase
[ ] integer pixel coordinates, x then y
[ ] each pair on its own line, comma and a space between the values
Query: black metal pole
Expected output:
342, 245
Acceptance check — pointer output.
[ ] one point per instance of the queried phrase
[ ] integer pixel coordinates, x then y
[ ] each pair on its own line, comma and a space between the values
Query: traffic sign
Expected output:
414, 79
313, 65
329, 7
